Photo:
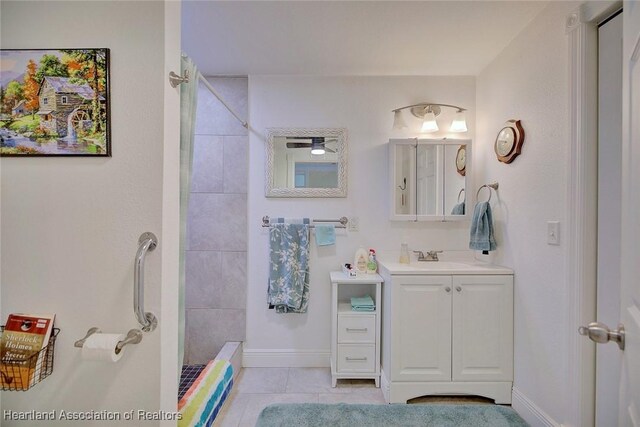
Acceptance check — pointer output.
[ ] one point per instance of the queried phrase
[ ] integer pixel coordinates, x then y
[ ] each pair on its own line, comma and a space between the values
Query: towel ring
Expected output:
489, 187
465, 194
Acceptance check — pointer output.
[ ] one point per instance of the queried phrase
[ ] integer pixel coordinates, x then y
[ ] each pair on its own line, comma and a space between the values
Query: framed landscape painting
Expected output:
54, 102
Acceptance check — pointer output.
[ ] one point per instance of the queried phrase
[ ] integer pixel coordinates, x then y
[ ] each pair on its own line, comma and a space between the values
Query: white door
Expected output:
421, 328
629, 414
482, 328
609, 357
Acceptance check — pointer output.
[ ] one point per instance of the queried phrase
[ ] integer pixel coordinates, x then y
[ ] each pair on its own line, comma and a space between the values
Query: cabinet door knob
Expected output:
458, 288
448, 289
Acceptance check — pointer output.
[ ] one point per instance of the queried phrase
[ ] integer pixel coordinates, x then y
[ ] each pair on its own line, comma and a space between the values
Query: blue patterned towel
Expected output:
288, 290
481, 234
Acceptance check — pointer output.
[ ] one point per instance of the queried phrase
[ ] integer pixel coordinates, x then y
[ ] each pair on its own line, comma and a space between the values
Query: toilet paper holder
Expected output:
134, 336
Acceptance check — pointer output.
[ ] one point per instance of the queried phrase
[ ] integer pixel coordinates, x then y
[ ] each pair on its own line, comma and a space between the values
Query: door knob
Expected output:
600, 333
448, 289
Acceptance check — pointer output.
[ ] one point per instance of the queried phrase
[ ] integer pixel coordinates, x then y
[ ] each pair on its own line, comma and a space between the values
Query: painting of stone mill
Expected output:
54, 102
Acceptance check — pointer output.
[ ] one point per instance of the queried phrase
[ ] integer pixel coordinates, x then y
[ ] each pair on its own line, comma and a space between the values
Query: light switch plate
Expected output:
354, 224
553, 232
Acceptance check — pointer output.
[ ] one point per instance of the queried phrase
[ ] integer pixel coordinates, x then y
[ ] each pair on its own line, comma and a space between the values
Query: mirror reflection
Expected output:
454, 179
429, 179
306, 163
301, 162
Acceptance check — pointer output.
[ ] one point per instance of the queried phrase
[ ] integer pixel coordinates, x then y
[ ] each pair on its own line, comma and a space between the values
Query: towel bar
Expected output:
495, 186
342, 221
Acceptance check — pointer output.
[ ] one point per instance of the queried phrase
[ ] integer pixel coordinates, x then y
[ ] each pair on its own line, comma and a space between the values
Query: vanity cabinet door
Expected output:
421, 328
483, 328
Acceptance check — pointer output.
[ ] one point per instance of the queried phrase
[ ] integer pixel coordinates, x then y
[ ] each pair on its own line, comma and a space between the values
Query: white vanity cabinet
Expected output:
447, 333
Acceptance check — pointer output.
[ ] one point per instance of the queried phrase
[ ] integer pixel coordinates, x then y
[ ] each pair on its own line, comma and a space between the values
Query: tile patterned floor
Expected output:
257, 388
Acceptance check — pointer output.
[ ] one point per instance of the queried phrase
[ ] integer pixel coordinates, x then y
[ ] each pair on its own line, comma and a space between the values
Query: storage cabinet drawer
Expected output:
356, 358
356, 328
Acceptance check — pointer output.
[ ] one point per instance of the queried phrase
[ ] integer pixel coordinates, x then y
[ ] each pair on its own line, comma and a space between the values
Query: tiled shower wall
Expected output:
216, 258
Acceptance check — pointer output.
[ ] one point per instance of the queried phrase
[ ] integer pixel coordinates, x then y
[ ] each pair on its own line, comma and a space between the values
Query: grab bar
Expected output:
148, 242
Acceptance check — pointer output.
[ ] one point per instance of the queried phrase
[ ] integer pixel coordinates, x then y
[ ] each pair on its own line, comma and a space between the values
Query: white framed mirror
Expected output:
304, 162
428, 179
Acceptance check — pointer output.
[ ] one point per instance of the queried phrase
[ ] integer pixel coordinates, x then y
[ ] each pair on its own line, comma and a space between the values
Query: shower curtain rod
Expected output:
217, 95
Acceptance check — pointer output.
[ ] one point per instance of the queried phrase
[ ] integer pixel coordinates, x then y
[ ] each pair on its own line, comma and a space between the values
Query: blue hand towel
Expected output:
481, 238
458, 209
364, 303
325, 234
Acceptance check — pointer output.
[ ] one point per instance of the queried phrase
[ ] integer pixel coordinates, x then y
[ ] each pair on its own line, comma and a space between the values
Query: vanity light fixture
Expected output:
428, 113
398, 120
429, 123
459, 124
317, 148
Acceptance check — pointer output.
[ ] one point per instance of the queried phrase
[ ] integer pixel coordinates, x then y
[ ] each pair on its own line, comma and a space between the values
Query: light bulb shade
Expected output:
459, 124
429, 124
398, 121
317, 148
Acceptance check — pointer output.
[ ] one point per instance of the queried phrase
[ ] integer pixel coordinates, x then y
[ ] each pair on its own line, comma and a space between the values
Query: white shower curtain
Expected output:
188, 105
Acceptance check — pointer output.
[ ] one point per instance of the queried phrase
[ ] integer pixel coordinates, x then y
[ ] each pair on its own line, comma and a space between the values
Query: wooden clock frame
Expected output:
518, 141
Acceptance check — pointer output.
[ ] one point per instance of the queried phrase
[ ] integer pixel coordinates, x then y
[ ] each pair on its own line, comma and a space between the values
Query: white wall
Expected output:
70, 225
362, 105
529, 81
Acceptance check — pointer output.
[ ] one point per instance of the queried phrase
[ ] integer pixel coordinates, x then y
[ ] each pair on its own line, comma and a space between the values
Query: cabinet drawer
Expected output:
356, 329
356, 358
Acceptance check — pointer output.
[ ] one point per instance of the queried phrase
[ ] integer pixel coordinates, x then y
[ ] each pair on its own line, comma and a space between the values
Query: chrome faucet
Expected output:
431, 255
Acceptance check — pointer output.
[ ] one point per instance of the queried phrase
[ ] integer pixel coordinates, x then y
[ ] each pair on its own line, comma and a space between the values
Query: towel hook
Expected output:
460, 192
488, 186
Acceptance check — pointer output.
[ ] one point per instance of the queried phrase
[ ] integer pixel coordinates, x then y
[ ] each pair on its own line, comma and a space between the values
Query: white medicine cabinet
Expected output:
429, 179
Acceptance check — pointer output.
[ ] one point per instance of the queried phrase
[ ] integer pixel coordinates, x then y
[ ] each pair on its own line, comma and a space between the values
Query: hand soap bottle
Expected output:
404, 254
360, 261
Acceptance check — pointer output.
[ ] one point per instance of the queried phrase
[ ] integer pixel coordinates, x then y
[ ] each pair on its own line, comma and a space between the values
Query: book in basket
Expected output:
24, 335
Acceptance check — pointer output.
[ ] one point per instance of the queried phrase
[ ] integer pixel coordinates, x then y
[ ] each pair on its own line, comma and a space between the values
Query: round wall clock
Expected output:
509, 141
461, 160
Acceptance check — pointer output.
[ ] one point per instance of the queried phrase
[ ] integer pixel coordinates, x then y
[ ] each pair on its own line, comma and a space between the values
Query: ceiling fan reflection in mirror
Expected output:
316, 143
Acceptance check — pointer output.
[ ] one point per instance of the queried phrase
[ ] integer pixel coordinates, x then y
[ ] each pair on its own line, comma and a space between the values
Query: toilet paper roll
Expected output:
102, 347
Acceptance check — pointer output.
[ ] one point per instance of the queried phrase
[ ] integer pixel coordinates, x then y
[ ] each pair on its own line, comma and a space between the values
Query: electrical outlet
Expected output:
553, 232
354, 224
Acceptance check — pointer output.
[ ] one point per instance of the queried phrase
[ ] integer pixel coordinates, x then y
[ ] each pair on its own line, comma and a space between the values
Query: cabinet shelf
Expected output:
344, 307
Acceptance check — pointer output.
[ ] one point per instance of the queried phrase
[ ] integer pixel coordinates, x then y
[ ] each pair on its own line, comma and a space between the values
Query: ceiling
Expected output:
350, 38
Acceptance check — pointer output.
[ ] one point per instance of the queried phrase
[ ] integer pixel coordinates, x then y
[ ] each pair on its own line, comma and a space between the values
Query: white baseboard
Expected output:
530, 412
285, 358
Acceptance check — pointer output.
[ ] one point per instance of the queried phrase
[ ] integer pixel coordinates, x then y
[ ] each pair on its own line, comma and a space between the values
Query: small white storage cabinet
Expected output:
355, 335
448, 334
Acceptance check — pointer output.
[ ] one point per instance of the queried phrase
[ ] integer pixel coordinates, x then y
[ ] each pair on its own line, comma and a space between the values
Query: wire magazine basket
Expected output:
21, 375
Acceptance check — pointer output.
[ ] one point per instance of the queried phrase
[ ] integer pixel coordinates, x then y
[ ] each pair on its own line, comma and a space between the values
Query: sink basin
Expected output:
444, 267
440, 265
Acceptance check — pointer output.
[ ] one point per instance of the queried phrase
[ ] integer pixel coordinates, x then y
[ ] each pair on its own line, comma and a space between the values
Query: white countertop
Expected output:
339, 276
443, 268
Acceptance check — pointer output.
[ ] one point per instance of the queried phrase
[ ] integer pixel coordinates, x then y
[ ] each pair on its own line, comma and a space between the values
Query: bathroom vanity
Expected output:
447, 328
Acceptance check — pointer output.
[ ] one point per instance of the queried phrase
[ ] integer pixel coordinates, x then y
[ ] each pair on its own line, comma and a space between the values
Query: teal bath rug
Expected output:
398, 415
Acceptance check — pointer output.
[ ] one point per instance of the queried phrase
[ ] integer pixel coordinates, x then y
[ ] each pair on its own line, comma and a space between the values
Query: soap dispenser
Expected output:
404, 254
372, 264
